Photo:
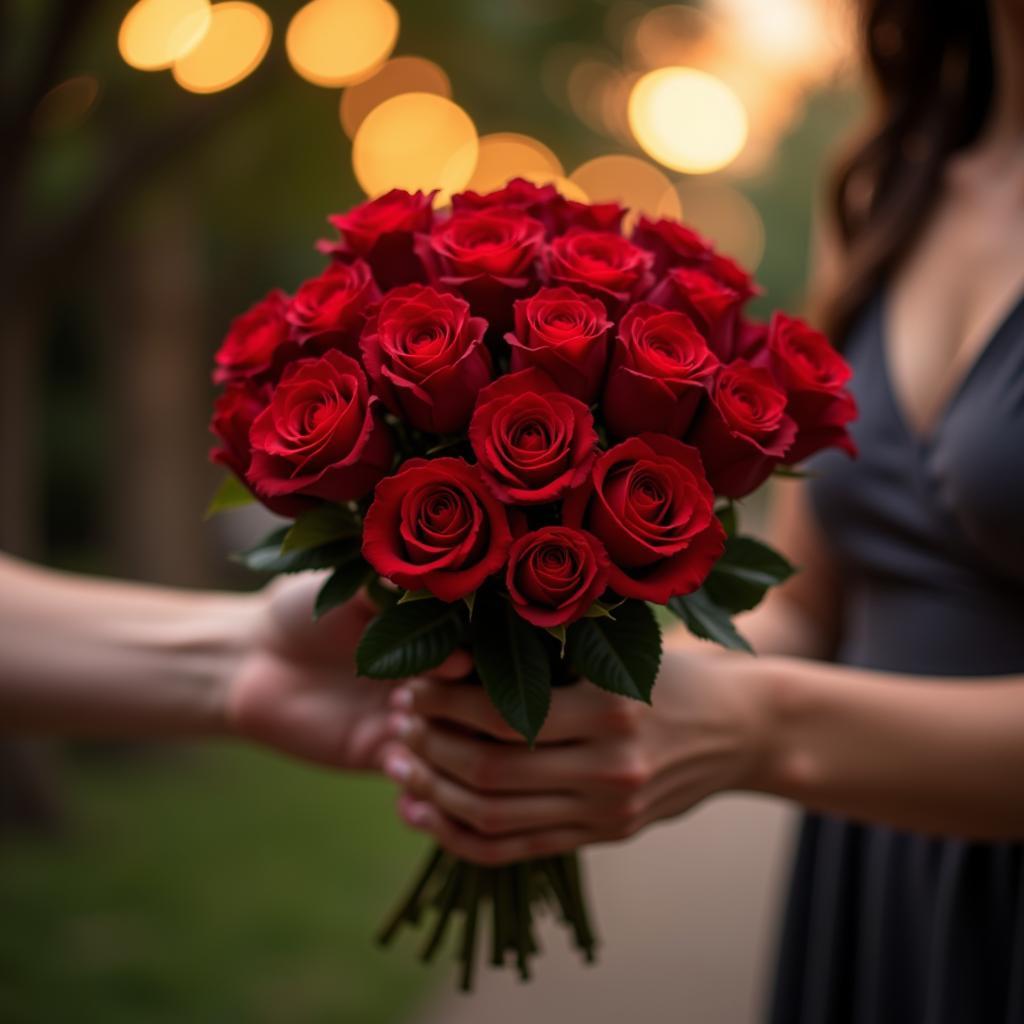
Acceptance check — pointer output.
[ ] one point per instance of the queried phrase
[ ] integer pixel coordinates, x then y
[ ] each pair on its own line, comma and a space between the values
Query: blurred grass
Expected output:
208, 886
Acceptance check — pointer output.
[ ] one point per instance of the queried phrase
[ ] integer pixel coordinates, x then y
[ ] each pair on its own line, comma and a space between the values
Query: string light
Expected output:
156, 33
629, 180
398, 75
232, 48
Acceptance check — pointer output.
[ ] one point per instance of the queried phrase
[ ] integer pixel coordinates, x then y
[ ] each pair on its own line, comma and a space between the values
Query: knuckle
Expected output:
628, 773
480, 769
622, 715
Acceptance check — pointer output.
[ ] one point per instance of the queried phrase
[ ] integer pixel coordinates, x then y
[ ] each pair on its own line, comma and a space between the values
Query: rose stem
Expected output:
573, 867
409, 909
448, 898
468, 955
493, 877
522, 900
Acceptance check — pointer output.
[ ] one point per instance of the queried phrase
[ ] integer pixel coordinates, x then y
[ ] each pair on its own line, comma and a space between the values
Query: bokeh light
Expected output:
631, 181
415, 141
669, 35
398, 75
337, 42
727, 217
687, 119
507, 155
156, 33
65, 105
232, 48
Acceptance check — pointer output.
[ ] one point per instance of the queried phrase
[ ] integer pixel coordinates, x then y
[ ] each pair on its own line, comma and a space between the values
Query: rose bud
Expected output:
435, 525
321, 435
253, 340
565, 334
382, 232
672, 244
488, 256
328, 311
650, 504
555, 574
532, 441
660, 368
713, 297
743, 432
814, 376
426, 357
601, 263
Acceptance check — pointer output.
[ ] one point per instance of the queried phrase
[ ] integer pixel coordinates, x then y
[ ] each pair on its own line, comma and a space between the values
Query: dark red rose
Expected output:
426, 357
602, 263
532, 441
321, 435
565, 334
589, 216
713, 297
328, 311
658, 374
233, 414
435, 525
253, 340
751, 340
382, 231
488, 256
814, 376
743, 432
672, 244
650, 504
555, 574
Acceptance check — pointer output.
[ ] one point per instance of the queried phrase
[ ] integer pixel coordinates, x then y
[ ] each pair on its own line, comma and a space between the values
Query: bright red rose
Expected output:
253, 340
814, 375
382, 231
555, 574
426, 357
488, 256
532, 441
565, 334
321, 435
672, 244
659, 372
602, 263
435, 525
650, 504
328, 311
743, 432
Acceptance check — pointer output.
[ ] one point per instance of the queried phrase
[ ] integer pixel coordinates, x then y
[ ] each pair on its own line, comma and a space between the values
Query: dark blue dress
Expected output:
884, 926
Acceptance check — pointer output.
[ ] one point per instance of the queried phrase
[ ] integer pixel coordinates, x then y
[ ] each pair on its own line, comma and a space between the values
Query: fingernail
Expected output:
397, 768
416, 814
401, 726
401, 699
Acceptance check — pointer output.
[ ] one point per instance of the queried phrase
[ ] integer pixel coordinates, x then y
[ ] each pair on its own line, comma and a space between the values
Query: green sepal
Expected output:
408, 596
231, 493
561, 635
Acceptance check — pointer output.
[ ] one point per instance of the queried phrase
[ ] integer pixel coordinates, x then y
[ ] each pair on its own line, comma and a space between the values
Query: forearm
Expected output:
931, 755
90, 657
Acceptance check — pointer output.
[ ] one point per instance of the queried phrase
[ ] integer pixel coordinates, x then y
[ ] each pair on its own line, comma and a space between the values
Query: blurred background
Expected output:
163, 165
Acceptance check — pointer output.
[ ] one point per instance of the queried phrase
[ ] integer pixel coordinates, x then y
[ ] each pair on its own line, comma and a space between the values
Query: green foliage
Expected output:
745, 573
267, 556
231, 493
341, 585
407, 639
708, 620
319, 526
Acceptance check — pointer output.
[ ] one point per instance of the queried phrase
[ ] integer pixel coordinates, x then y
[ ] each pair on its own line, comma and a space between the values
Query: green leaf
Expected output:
620, 654
513, 664
407, 639
792, 473
319, 526
381, 594
408, 596
745, 573
341, 585
267, 556
727, 517
708, 620
600, 611
231, 493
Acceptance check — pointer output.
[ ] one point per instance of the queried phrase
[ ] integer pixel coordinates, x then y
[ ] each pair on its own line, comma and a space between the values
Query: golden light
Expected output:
674, 34
725, 216
234, 44
65, 105
156, 33
398, 75
507, 155
631, 181
687, 119
415, 141
570, 190
337, 42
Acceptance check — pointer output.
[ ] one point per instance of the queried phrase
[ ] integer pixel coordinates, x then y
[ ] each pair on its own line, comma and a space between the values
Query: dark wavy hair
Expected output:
930, 64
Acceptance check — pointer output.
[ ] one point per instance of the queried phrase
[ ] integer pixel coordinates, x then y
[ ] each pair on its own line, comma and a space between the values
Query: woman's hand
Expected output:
604, 768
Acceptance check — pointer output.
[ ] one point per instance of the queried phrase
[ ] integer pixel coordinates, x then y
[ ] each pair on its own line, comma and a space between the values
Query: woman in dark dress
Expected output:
889, 697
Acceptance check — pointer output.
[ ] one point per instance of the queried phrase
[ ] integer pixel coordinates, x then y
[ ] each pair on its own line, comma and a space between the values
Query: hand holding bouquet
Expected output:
519, 428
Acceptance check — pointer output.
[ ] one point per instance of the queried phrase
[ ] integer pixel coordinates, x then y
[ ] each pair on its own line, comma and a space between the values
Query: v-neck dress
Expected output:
885, 926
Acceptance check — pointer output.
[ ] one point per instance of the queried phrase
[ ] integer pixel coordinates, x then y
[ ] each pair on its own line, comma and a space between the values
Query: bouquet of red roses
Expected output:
533, 428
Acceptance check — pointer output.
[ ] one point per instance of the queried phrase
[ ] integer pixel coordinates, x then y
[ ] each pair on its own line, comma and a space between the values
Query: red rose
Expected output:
426, 357
743, 432
488, 256
532, 442
320, 436
659, 371
589, 216
555, 574
328, 311
672, 244
435, 526
382, 231
565, 334
253, 340
650, 504
602, 263
814, 375
233, 414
